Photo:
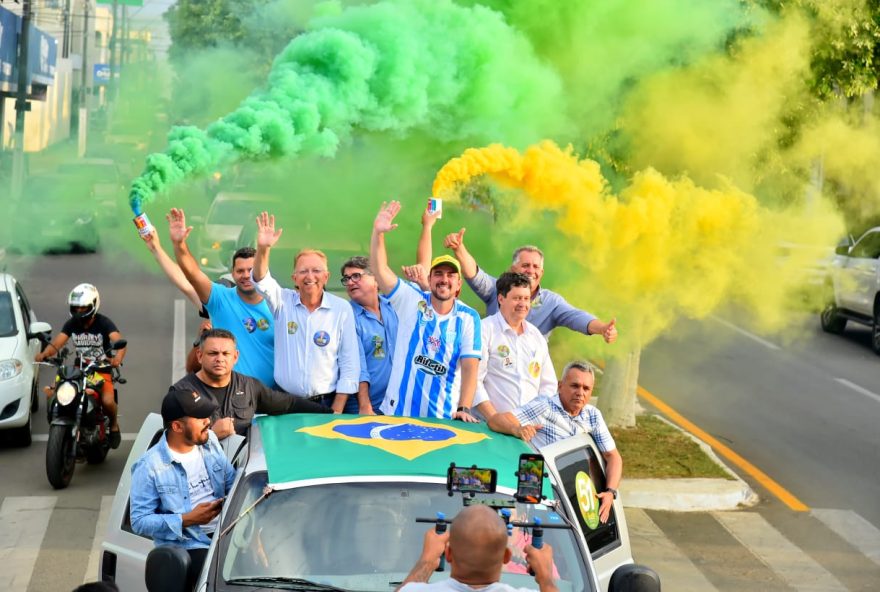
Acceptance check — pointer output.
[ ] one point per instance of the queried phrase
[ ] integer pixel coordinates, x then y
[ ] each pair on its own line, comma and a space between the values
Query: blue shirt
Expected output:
549, 309
252, 326
426, 374
376, 343
160, 493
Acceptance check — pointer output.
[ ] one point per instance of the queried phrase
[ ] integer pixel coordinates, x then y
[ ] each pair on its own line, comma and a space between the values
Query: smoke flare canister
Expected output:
142, 223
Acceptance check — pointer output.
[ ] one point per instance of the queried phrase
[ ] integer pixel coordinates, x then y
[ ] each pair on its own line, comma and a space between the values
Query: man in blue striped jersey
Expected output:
437, 352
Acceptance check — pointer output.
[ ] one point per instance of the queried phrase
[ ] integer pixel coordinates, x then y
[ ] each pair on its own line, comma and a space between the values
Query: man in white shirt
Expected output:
316, 345
515, 366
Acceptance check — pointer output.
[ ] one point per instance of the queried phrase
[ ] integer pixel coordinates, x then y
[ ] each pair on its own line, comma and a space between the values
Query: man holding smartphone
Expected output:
178, 486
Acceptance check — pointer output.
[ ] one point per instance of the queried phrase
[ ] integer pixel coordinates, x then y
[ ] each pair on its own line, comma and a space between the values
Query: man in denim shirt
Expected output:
178, 486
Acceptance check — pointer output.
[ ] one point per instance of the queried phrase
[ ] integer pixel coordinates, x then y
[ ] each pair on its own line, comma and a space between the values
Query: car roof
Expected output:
307, 447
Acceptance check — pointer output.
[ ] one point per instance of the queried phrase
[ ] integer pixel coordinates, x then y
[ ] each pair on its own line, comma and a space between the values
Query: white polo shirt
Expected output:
514, 369
315, 352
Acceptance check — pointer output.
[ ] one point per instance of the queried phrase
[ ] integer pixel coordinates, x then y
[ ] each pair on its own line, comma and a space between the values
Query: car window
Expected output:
580, 470
363, 536
8, 327
868, 246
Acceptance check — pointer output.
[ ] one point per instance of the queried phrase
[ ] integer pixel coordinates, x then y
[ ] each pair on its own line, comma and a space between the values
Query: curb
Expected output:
689, 495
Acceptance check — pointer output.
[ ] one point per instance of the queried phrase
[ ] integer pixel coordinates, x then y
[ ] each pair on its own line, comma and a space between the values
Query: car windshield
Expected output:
363, 536
7, 316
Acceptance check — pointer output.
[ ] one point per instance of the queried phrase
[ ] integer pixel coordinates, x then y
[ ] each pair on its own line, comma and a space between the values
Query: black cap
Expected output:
184, 403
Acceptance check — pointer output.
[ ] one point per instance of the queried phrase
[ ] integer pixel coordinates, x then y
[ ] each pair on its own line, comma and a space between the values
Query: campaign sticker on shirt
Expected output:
588, 500
321, 338
427, 313
535, 368
507, 363
503, 351
292, 327
263, 324
537, 302
250, 323
378, 347
434, 343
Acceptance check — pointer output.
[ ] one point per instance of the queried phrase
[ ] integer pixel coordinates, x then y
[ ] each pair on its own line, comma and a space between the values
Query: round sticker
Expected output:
588, 501
534, 369
292, 327
262, 324
503, 351
250, 324
321, 338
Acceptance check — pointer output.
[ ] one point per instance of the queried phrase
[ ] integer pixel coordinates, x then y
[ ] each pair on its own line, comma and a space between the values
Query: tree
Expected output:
200, 24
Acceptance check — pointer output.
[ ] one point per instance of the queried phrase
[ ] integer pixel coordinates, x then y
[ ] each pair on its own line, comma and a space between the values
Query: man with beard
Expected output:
515, 366
178, 486
238, 397
546, 420
316, 350
437, 353
240, 309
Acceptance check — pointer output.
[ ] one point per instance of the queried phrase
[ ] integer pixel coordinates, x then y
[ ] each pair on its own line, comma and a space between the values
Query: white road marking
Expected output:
789, 562
854, 529
858, 389
751, 336
651, 547
92, 573
126, 437
23, 524
178, 347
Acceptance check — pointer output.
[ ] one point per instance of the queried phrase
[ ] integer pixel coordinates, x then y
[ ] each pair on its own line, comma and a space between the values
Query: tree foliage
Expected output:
200, 24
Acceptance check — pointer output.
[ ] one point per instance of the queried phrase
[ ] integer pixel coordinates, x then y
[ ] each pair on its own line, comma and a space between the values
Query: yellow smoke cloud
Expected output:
662, 248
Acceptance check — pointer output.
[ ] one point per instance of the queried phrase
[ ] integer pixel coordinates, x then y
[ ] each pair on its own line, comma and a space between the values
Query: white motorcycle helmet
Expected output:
84, 295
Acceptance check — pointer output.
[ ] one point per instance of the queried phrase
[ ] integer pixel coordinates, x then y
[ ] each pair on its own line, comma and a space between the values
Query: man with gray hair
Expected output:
549, 309
476, 548
546, 420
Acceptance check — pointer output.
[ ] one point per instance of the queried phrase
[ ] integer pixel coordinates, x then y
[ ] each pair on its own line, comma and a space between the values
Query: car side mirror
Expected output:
634, 578
842, 249
37, 328
167, 570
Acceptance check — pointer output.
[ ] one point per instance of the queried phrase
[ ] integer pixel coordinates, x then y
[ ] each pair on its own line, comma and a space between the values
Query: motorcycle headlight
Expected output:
65, 393
10, 369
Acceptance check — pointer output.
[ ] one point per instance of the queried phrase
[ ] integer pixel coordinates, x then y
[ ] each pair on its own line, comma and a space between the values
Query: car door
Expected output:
579, 468
859, 274
33, 342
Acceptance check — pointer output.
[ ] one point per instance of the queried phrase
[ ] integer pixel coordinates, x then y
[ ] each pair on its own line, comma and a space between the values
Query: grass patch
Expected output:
655, 449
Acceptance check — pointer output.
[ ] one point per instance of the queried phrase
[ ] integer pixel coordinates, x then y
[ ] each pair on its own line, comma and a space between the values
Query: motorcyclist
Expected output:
92, 334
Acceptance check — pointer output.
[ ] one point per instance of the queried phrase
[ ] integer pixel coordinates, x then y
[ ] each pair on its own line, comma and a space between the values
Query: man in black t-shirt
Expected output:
91, 334
238, 397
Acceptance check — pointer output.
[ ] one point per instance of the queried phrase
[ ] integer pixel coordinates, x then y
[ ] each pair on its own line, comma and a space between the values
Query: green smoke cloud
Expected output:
426, 66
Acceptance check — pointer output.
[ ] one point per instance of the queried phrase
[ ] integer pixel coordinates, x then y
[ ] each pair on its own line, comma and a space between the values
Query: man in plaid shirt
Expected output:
546, 420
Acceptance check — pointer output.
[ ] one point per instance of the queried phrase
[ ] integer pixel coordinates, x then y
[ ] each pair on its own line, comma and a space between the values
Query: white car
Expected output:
855, 286
330, 502
19, 343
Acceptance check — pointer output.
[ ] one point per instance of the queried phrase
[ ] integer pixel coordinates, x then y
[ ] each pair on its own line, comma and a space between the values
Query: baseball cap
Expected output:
446, 260
183, 403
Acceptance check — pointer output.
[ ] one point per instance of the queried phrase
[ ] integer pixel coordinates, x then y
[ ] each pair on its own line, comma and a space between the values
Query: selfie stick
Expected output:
440, 528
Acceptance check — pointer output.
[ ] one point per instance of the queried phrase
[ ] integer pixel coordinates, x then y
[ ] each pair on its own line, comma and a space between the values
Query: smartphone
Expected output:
471, 479
435, 206
530, 478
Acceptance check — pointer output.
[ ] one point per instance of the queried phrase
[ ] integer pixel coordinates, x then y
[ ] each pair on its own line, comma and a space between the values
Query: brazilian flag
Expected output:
309, 446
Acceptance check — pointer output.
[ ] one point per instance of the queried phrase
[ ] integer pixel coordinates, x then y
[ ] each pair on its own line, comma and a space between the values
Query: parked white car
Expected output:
855, 286
19, 342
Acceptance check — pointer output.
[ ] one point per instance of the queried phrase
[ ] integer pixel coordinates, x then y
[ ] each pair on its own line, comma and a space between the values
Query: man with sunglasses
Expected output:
316, 349
376, 324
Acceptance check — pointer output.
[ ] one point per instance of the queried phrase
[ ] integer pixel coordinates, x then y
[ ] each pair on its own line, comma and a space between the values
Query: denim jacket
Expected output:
160, 494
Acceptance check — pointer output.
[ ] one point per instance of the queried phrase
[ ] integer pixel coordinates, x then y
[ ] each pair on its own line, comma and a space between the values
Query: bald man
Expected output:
476, 551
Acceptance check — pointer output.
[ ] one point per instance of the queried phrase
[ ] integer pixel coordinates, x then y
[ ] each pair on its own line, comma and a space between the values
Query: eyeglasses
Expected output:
355, 277
310, 271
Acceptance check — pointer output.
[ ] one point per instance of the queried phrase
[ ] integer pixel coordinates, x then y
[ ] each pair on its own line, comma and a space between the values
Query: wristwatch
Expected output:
612, 490
464, 409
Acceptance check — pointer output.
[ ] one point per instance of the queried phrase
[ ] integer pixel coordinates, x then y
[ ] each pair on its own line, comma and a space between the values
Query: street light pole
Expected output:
84, 86
22, 105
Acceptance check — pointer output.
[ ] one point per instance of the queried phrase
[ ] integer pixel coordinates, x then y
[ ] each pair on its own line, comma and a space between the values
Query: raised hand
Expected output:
454, 240
416, 273
429, 217
177, 227
609, 334
267, 236
385, 218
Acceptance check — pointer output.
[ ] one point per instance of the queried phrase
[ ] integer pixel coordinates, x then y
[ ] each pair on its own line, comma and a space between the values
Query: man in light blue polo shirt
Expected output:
240, 310
376, 324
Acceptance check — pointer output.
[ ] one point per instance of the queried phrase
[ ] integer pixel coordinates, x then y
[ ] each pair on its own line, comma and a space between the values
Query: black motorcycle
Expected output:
78, 427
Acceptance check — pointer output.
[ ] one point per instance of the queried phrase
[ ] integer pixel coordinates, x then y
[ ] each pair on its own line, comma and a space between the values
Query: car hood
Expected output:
8, 346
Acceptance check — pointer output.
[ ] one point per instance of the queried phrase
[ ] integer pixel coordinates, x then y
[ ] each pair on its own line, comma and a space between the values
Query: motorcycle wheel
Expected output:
60, 460
96, 454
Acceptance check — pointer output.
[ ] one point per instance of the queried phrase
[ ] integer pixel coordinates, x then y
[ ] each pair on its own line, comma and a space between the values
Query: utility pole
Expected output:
65, 47
22, 105
84, 86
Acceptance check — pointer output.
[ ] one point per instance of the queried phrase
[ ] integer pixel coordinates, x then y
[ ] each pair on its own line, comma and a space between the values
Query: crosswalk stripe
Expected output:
100, 528
23, 523
854, 529
651, 547
788, 561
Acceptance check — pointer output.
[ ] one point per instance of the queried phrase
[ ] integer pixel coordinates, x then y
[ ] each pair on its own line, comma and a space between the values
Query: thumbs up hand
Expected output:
454, 240
609, 333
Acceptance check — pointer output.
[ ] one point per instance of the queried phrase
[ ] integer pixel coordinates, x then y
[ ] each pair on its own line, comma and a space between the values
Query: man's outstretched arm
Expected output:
384, 222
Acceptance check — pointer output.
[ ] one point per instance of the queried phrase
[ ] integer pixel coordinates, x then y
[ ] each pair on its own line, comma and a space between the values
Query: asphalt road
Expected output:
803, 407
